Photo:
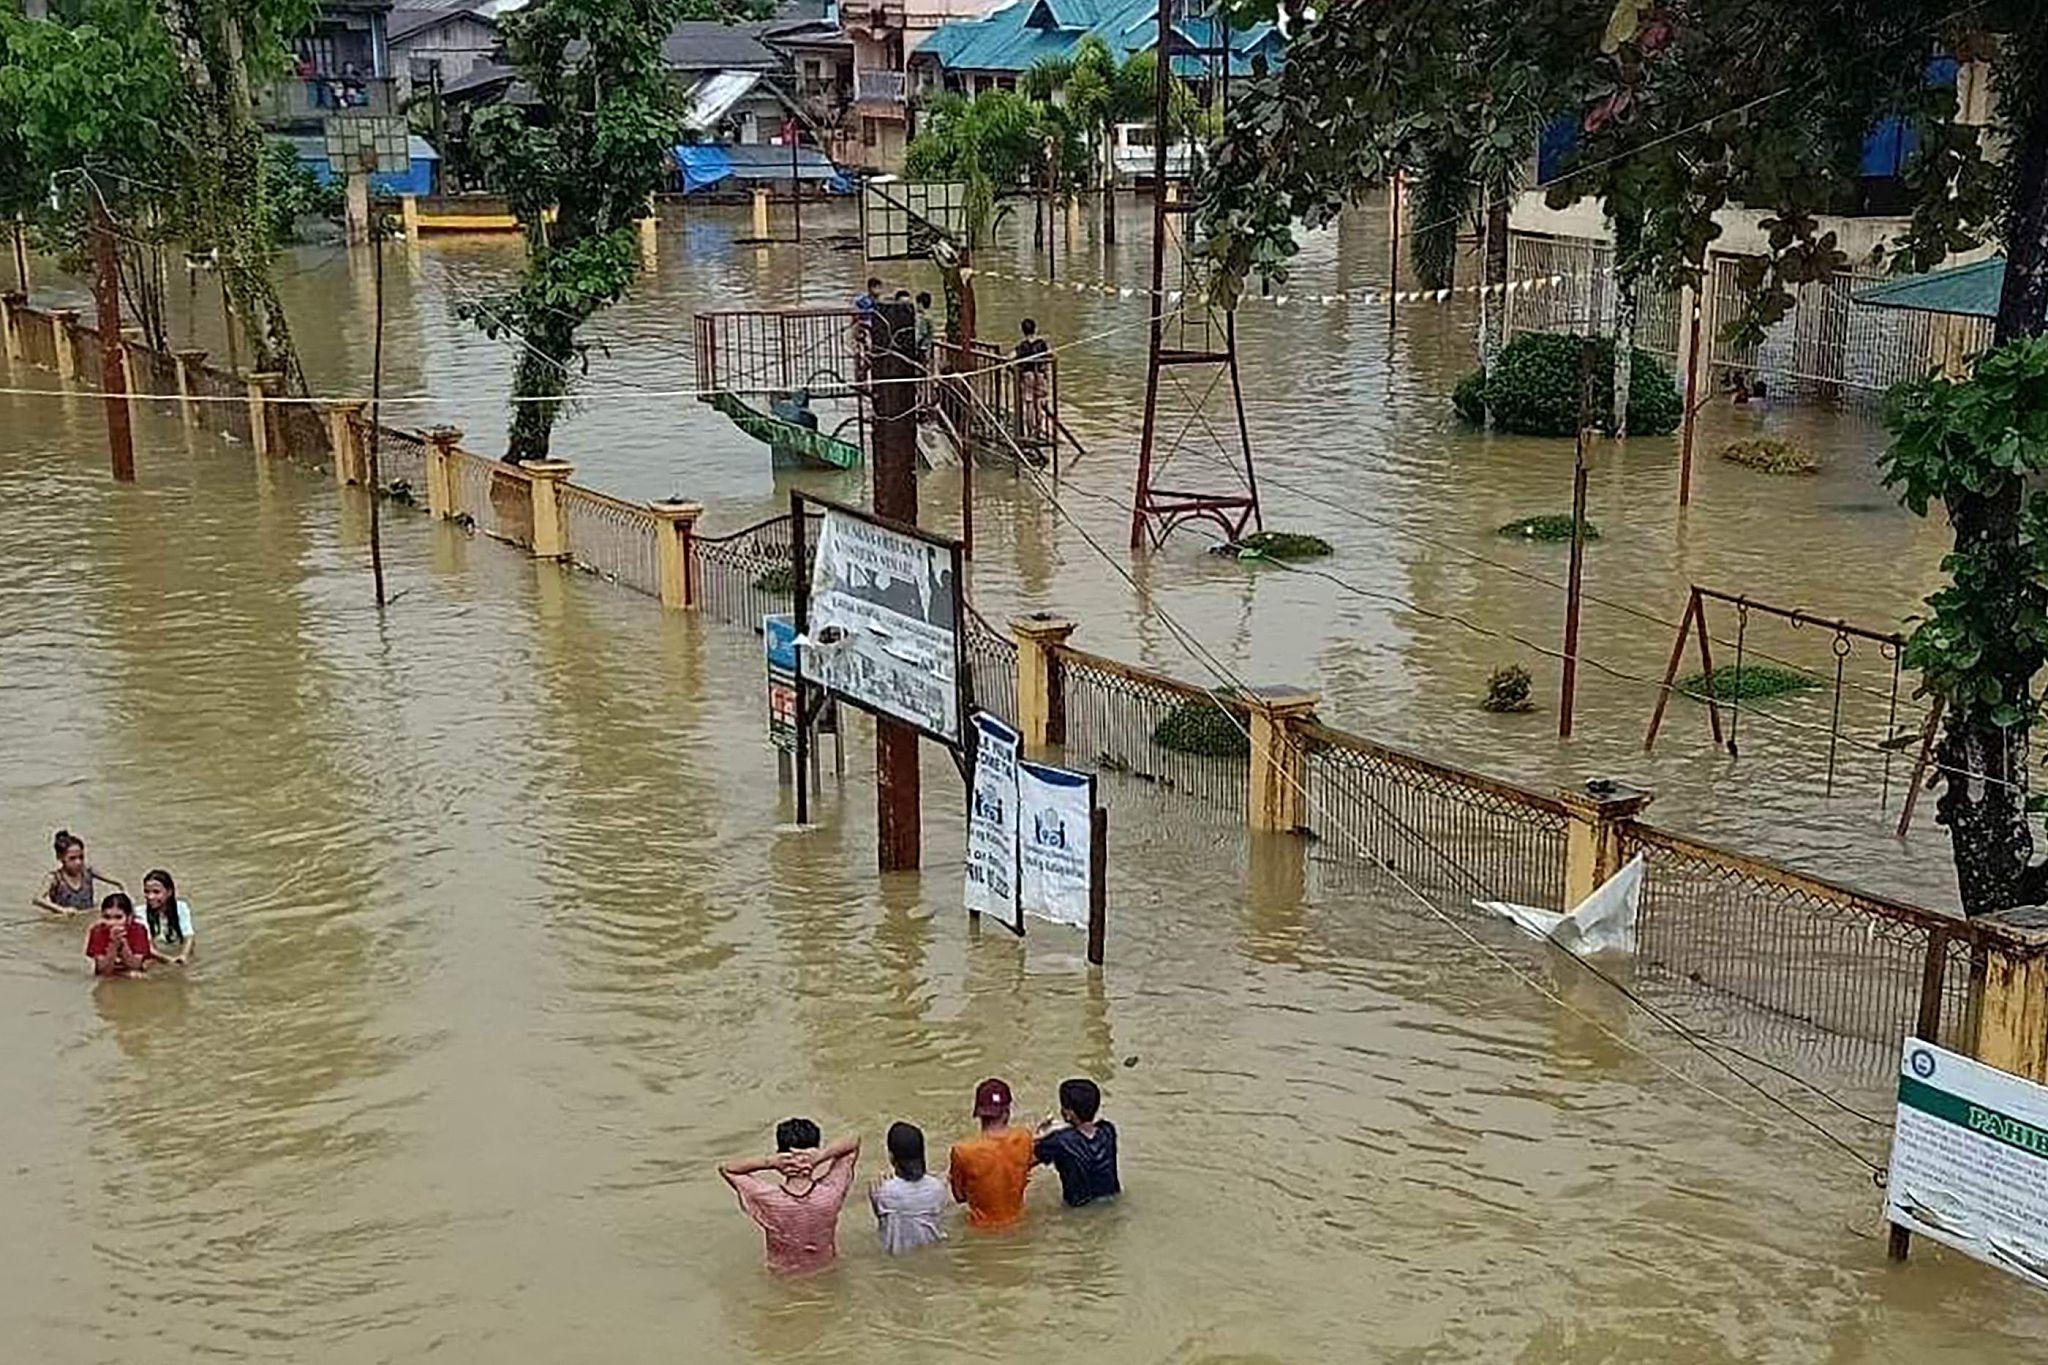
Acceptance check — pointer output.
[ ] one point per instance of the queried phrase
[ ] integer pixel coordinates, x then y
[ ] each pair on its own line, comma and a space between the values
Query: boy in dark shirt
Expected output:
1083, 1150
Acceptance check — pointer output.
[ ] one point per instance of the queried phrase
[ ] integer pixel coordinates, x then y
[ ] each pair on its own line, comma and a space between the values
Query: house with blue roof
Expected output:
990, 53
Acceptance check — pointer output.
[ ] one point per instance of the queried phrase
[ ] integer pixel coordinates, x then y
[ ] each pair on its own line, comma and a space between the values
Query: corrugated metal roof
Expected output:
1969, 291
716, 96
1015, 37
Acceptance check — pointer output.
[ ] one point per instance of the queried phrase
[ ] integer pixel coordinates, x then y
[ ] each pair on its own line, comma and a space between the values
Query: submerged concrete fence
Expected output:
1830, 967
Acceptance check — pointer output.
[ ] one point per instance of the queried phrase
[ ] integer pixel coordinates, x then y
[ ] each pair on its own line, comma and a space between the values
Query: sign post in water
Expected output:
1970, 1160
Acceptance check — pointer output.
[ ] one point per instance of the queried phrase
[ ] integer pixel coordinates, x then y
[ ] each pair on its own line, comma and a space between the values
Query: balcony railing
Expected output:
311, 99
879, 87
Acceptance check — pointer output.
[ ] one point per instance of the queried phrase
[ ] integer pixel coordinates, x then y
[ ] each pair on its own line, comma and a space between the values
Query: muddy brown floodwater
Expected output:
504, 940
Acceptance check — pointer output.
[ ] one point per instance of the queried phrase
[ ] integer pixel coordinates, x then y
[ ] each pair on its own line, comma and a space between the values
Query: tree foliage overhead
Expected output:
1685, 108
145, 106
592, 151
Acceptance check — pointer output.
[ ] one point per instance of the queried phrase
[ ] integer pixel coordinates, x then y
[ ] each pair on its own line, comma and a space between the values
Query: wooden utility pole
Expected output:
106, 291
21, 256
1393, 248
1574, 583
376, 404
893, 368
1692, 398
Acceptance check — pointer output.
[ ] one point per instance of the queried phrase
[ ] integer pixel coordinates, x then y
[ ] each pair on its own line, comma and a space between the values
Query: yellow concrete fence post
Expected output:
1277, 782
64, 332
188, 362
11, 304
441, 482
675, 528
761, 213
550, 534
341, 439
1594, 818
261, 387
409, 213
1041, 695
2012, 1011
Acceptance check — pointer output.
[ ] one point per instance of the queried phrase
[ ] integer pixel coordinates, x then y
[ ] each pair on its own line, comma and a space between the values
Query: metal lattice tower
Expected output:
1194, 452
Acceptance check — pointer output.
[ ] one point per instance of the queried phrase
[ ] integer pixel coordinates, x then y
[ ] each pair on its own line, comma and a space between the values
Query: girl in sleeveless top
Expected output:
74, 885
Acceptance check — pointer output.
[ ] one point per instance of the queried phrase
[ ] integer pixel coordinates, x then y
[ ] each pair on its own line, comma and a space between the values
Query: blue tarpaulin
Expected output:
419, 180
706, 165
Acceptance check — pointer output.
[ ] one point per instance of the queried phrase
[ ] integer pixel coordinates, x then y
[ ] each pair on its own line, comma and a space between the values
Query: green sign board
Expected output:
1970, 1160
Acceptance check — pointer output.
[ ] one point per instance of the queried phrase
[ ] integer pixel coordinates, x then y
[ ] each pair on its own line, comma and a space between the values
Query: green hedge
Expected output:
1206, 728
1534, 390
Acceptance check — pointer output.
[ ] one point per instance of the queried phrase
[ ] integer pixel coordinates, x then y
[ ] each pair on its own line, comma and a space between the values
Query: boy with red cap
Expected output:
988, 1173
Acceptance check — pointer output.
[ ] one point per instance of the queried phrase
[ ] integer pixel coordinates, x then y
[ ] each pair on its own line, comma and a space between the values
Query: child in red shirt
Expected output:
119, 944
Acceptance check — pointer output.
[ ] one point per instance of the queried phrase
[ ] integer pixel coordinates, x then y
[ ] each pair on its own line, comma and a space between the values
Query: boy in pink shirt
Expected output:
799, 1212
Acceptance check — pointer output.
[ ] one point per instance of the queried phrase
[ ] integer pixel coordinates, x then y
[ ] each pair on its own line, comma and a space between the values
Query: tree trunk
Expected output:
1493, 279
543, 375
1624, 350
223, 180
1984, 787
1108, 192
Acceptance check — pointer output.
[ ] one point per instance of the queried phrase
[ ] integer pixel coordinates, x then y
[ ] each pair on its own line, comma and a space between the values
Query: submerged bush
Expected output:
1749, 683
1549, 526
1534, 390
1206, 728
1769, 455
1507, 690
1277, 545
778, 578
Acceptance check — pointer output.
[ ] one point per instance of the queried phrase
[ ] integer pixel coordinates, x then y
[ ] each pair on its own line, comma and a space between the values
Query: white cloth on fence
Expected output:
1604, 922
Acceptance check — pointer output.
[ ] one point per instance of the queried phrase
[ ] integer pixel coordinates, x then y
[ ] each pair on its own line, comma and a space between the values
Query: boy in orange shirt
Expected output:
988, 1173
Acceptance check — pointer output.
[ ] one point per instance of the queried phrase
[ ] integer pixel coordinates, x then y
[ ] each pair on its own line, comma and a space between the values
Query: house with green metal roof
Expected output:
991, 52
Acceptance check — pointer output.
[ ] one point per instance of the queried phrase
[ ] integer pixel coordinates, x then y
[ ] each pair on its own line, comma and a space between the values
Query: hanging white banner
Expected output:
1053, 810
992, 823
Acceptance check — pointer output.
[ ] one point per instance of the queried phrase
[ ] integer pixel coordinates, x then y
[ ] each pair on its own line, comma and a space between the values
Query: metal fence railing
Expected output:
757, 352
1117, 718
992, 667
612, 538
1452, 833
746, 574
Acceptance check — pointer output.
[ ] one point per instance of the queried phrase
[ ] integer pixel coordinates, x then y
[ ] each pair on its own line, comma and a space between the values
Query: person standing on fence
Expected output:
799, 1213
1033, 357
988, 1173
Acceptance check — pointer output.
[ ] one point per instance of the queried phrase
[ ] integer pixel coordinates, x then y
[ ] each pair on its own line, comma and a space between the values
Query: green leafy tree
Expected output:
84, 99
591, 152
1687, 108
220, 199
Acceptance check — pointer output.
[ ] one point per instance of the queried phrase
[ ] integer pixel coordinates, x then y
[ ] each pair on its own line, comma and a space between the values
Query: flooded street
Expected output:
505, 939
1356, 442
501, 949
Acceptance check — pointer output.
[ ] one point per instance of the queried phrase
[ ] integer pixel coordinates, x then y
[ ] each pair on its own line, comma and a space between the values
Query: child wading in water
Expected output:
910, 1206
74, 885
170, 919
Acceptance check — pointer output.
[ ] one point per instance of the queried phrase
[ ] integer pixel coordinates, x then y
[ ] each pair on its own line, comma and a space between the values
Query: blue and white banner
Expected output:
992, 823
1054, 807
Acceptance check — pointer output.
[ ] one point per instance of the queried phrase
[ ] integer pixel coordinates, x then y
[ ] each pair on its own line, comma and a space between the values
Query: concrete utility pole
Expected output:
892, 365
106, 291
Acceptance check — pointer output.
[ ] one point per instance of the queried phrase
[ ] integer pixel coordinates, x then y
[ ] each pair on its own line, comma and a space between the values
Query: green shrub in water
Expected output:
1769, 455
1206, 729
1278, 545
1469, 398
1751, 682
1534, 390
1549, 526
779, 578
1507, 690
